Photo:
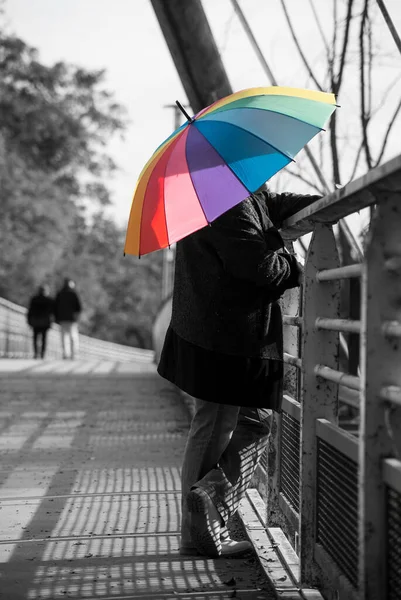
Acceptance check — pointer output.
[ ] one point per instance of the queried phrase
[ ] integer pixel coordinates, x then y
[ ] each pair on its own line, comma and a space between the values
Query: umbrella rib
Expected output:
253, 135
269, 110
225, 163
190, 174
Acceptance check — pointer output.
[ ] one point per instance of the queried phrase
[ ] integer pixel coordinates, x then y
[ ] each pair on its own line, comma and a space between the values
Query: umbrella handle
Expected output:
184, 112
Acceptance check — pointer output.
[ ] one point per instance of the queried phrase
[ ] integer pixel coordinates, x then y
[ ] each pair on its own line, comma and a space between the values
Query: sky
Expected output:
124, 37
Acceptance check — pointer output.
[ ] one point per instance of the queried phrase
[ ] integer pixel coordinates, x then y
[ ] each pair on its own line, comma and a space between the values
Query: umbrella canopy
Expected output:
217, 158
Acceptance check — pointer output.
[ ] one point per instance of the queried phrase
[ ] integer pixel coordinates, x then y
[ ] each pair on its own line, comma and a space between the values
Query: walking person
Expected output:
67, 310
224, 347
39, 317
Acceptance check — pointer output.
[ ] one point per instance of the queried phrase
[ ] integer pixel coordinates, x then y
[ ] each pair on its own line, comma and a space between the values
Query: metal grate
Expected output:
289, 465
337, 508
394, 544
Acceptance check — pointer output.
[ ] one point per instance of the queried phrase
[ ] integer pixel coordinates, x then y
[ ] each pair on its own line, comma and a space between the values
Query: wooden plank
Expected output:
266, 552
275, 553
258, 505
319, 397
380, 367
286, 551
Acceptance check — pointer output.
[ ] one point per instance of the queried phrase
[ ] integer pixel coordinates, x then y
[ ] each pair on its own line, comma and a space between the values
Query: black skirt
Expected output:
222, 378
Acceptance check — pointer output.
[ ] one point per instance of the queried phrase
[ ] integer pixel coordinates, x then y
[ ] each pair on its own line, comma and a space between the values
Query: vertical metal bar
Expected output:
380, 366
319, 397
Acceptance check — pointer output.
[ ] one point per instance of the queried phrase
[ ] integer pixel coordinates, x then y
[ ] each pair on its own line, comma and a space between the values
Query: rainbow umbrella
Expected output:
217, 158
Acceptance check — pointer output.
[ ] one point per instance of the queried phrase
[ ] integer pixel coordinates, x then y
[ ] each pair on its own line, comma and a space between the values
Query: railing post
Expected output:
275, 518
380, 367
319, 397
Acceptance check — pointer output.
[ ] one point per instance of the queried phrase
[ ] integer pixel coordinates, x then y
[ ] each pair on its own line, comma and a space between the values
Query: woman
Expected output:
40, 316
224, 347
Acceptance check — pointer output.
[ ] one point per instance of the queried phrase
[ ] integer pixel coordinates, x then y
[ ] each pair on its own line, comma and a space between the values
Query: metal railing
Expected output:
16, 340
336, 494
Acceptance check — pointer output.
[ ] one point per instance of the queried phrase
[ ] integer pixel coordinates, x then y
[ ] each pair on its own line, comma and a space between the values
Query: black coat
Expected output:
228, 275
67, 306
40, 312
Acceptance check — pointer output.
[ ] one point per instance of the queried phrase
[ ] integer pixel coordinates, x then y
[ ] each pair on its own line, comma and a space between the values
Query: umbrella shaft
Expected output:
184, 112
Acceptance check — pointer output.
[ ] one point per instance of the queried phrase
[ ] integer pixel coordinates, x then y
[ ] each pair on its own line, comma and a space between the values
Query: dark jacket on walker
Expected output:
40, 311
230, 274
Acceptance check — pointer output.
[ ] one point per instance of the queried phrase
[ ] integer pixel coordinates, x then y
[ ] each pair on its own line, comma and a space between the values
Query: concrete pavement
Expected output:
90, 488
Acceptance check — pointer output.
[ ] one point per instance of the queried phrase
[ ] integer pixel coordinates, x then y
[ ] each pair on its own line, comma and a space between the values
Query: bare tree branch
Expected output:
358, 155
385, 95
387, 135
365, 117
335, 26
305, 180
322, 35
344, 47
370, 64
336, 85
334, 150
295, 38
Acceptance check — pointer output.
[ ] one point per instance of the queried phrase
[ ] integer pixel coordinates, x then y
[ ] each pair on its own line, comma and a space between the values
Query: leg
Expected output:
210, 433
74, 340
216, 496
65, 341
35, 342
44, 339
227, 483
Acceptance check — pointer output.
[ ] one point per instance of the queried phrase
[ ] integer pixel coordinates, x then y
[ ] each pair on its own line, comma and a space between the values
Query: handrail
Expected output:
16, 340
354, 196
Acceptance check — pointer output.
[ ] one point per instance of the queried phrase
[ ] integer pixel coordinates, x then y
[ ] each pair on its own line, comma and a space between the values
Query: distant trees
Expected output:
55, 122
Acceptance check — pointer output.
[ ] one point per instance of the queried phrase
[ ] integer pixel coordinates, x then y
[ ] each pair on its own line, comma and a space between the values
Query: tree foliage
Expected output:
55, 123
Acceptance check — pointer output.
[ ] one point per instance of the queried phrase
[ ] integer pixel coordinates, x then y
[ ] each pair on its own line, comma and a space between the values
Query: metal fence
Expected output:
337, 493
16, 340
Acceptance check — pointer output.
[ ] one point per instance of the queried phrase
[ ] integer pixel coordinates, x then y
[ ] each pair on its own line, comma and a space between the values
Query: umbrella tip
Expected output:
184, 112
